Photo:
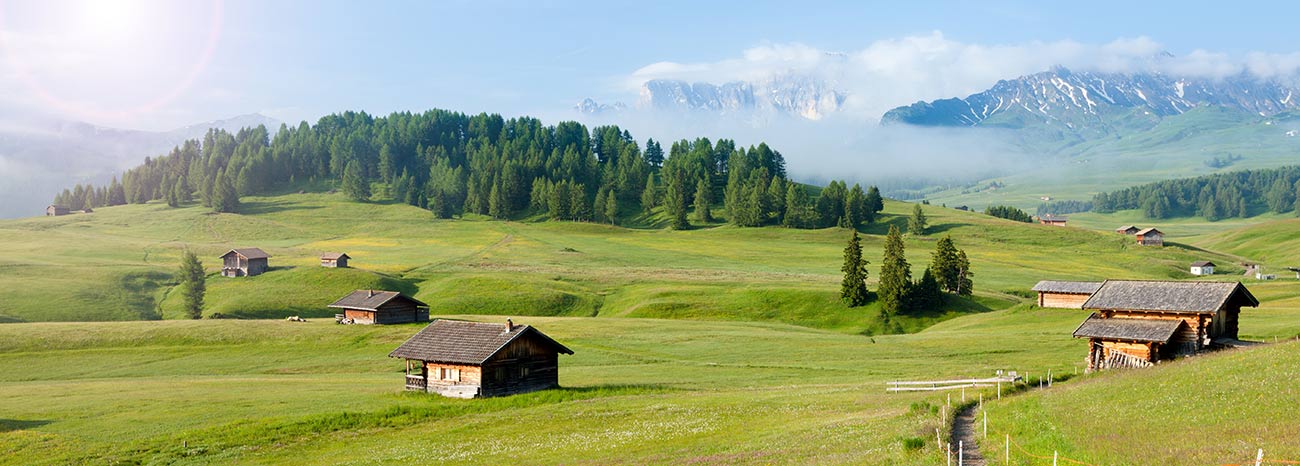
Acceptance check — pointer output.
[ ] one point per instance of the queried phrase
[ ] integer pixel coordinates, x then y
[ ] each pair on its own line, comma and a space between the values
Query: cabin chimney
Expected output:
370, 293
510, 325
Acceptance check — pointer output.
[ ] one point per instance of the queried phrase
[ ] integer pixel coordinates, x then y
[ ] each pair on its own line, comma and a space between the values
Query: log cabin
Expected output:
1063, 294
334, 260
472, 359
1127, 230
380, 307
56, 211
1202, 268
1140, 323
244, 262
1150, 237
1053, 220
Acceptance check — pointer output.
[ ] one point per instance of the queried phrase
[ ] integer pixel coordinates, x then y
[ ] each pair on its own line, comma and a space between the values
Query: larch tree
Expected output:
855, 207
193, 284
945, 265
703, 197
354, 182
611, 207
650, 196
965, 285
675, 198
895, 275
853, 289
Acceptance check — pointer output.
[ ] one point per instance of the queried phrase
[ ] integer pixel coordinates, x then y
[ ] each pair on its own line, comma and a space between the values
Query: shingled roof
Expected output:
1202, 264
1169, 296
1148, 231
1055, 286
250, 253
370, 300
456, 342
333, 256
1159, 331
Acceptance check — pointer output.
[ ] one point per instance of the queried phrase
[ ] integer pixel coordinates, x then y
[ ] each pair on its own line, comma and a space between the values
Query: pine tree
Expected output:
945, 265
855, 207
703, 197
224, 197
916, 224
675, 200
598, 207
354, 182
172, 194
650, 196
853, 289
925, 295
116, 193
965, 285
558, 201
895, 275
611, 208
497, 201
192, 282
797, 210
874, 204
537, 197
776, 199
579, 207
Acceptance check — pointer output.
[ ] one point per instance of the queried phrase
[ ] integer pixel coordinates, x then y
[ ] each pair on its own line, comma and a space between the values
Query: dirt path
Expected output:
964, 429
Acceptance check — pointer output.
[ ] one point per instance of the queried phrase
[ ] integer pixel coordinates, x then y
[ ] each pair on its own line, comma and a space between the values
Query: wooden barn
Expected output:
1063, 294
1140, 323
56, 210
244, 262
472, 359
334, 260
380, 307
1127, 230
1150, 237
1202, 268
1053, 220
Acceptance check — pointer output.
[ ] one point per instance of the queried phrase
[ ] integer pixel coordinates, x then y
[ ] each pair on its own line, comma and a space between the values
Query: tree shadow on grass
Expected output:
270, 206
10, 425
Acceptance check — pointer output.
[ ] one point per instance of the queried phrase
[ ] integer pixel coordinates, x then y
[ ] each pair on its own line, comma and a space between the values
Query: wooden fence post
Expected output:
999, 389
1049, 378
1053, 458
1006, 455
1259, 458
963, 394
961, 451
986, 425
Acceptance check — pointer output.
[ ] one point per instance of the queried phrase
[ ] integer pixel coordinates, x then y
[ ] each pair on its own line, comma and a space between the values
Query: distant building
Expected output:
1202, 268
472, 359
1150, 237
1140, 323
1053, 220
1063, 294
334, 260
56, 210
244, 262
380, 307
1127, 230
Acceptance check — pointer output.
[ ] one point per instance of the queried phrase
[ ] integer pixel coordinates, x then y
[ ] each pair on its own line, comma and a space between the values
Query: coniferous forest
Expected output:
452, 164
1237, 194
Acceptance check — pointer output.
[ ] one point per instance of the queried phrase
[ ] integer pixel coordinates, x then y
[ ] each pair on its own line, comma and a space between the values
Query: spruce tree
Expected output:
965, 285
916, 224
675, 198
611, 208
579, 206
855, 207
497, 201
925, 295
853, 289
703, 197
192, 282
895, 275
874, 204
797, 210
354, 182
598, 205
650, 196
776, 199
945, 266
224, 197
559, 200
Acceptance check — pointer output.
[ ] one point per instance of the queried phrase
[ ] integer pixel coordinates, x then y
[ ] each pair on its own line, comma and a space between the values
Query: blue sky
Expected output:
141, 64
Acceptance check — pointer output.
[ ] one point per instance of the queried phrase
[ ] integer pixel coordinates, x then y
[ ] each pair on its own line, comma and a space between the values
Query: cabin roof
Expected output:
1056, 286
335, 256
249, 253
1117, 328
457, 342
370, 300
1148, 231
1169, 296
1202, 264
1055, 218
1126, 228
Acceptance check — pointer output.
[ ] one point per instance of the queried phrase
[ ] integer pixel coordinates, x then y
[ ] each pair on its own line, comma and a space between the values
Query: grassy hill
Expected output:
116, 264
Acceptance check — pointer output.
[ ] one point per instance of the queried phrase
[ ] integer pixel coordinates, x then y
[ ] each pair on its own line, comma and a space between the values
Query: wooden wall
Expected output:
525, 365
469, 375
1062, 300
1193, 331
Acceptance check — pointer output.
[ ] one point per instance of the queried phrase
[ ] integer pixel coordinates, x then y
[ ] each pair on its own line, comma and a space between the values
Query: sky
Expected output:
157, 65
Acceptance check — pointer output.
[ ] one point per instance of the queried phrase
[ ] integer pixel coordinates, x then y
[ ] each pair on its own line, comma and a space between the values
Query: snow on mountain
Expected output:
789, 94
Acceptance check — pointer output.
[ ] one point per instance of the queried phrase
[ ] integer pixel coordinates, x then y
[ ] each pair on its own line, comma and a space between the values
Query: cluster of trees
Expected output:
1009, 213
949, 273
90, 196
1214, 197
1063, 207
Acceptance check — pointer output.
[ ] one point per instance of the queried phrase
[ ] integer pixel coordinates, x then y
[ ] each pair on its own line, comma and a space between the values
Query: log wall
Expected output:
1061, 300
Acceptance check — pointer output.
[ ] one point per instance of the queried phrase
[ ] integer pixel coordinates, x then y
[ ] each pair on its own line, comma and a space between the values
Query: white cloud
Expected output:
892, 72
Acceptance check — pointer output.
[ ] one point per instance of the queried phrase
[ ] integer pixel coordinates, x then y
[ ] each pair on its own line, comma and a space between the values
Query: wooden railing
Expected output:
416, 382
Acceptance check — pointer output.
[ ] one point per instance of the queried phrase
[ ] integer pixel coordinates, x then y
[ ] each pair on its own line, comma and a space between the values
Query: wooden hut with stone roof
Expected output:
380, 307
1064, 294
472, 359
1139, 323
244, 262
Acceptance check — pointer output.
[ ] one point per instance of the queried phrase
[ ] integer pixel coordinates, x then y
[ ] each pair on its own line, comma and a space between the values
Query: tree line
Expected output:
1223, 195
948, 274
453, 164
1009, 213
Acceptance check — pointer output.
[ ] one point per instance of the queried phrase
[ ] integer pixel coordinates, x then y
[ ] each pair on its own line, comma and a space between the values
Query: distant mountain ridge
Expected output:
787, 95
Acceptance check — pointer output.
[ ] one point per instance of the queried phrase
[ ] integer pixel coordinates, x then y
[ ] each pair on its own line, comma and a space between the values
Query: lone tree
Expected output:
895, 275
874, 204
193, 284
853, 290
916, 224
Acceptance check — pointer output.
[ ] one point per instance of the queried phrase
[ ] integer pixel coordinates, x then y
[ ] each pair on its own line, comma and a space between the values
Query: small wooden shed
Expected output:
1053, 220
1150, 237
334, 260
1138, 323
471, 359
56, 210
1202, 268
1064, 294
380, 307
1127, 230
244, 262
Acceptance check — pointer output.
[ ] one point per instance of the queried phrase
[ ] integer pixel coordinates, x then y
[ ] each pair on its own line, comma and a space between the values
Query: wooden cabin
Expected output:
56, 210
1150, 237
244, 262
334, 260
1202, 268
1127, 230
1053, 220
1140, 323
1063, 294
380, 307
471, 359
